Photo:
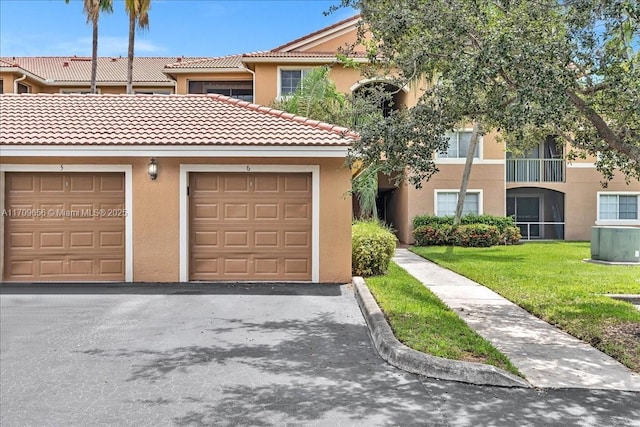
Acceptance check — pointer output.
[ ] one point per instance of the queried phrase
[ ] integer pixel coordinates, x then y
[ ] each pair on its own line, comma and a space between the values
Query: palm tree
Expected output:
138, 11
92, 9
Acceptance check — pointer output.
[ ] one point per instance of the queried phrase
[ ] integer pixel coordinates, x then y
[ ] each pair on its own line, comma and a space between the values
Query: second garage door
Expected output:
250, 226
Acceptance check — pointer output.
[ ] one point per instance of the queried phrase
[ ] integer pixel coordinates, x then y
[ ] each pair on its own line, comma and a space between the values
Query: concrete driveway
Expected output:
256, 355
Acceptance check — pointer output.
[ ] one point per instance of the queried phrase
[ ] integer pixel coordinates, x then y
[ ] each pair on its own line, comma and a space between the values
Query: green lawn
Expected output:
550, 280
421, 321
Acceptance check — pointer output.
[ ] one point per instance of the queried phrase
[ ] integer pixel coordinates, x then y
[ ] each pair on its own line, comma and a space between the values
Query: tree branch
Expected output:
604, 131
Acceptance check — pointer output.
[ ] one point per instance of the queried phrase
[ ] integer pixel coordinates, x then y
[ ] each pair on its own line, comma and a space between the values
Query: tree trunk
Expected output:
94, 57
132, 35
475, 135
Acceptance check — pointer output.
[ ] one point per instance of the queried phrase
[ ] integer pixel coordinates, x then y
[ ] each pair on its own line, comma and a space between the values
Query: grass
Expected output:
421, 321
551, 281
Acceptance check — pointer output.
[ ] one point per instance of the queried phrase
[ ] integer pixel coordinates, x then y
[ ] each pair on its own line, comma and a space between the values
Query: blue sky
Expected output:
177, 27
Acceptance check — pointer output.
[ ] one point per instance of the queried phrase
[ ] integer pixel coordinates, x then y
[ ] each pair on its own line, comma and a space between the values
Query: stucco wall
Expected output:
156, 212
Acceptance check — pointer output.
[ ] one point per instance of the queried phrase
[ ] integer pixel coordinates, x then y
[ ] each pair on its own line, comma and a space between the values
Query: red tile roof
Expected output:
230, 61
78, 69
155, 120
315, 33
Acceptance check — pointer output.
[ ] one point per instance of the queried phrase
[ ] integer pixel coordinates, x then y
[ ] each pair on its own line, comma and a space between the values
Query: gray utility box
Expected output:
615, 244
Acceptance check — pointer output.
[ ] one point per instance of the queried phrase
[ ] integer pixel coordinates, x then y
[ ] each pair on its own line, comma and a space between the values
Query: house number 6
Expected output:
248, 168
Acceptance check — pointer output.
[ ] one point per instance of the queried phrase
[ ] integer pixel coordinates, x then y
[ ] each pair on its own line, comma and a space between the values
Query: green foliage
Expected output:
475, 235
501, 222
422, 321
318, 98
433, 235
365, 187
526, 69
373, 246
474, 231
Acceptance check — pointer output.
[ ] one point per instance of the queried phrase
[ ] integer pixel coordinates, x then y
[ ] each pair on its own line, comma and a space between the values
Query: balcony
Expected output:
535, 170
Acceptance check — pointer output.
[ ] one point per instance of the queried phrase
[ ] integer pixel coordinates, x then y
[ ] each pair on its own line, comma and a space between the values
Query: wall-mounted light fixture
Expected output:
153, 169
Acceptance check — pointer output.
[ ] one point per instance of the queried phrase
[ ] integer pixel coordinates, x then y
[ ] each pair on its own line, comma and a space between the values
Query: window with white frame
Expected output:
77, 91
459, 143
622, 206
290, 79
446, 202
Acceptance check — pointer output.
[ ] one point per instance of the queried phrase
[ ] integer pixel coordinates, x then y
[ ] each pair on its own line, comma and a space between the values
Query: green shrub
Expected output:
511, 235
373, 246
432, 235
475, 235
501, 222
431, 230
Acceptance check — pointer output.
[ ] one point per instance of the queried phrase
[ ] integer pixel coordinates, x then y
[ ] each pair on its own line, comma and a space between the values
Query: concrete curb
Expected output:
407, 359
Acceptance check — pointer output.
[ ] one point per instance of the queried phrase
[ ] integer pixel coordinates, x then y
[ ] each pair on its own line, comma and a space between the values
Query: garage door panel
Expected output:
52, 184
236, 211
264, 234
234, 183
63, 235
52, 240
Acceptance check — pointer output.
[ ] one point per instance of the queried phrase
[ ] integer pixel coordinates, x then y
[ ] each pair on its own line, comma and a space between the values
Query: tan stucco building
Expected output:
550, 197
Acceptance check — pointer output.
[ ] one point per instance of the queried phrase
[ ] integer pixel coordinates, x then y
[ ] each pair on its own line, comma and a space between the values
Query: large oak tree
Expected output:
527, 69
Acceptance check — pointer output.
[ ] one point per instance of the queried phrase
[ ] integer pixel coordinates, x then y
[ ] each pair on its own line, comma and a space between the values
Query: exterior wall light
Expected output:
153, 169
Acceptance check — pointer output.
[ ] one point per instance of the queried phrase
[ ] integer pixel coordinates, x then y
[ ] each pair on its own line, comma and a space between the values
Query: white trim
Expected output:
185, 169
319, 60
310, 41
174, 151
580, 165
462, 161
77, 90
128, 197
153, 90
633, 222
479, 192
197, 70
389, 80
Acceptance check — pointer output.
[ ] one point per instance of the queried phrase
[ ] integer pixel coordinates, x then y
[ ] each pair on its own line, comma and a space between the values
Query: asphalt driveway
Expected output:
256, 355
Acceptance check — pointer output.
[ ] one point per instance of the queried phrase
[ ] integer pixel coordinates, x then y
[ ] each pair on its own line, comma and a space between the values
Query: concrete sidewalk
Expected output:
548, 357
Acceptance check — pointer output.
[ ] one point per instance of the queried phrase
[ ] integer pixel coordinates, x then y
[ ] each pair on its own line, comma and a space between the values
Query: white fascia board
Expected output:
173, 151
203, 70
328, 34
299, 60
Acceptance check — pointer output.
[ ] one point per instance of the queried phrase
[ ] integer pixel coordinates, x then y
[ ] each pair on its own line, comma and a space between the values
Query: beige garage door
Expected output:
64, 227
250, 226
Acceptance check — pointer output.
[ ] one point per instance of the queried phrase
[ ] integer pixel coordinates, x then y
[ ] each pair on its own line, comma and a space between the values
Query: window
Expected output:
446, 202
153, 92
1, 86
22, 88
618, 206
290, 79
242, 90
81, 91
459, 146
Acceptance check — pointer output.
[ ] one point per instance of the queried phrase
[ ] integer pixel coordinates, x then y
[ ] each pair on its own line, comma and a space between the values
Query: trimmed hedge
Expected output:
373, 246
474, 230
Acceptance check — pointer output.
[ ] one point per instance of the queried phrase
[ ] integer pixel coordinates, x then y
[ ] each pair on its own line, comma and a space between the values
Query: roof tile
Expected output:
182, 120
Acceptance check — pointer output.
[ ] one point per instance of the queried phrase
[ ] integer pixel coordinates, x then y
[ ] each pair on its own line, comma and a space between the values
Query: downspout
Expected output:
16, 81
253, 80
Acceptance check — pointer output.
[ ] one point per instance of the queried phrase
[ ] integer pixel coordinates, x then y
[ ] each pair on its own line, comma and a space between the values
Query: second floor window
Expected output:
290, 80
459, 146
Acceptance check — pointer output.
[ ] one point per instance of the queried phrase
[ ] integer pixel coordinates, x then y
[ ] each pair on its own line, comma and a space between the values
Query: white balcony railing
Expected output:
535, 170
